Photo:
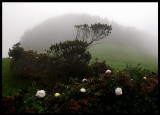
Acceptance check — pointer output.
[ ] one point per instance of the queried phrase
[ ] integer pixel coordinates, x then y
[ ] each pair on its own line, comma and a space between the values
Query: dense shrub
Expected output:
8, 105
71, 56
136, 71
63, 60
16, 52
34, 66
98, 96
97, 68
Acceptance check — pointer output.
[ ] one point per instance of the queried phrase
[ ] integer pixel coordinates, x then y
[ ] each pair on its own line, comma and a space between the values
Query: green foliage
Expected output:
96, 68
136, 72
67, 59
33, 66
138, 96
70, 56
16, 52
11, 83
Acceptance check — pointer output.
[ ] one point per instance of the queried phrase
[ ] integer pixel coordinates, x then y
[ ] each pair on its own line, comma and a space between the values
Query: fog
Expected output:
38, 25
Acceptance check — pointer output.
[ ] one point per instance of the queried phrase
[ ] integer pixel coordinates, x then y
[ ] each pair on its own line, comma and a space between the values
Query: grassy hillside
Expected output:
118, 56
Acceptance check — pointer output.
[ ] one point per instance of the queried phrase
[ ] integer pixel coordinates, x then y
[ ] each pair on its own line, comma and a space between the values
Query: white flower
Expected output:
56, 94
131, 79
108, 71
40, 93
144, 78
82, 90
37, 57
118, 91
84, 80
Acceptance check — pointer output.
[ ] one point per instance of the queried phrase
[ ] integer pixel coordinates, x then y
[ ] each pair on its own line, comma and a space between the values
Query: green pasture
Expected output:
118, 56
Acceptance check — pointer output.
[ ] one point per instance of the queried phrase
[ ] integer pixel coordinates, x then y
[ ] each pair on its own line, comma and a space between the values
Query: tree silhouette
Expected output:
92, 33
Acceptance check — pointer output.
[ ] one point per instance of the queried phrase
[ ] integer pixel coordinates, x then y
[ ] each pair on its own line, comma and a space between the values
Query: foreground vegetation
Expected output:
139, 94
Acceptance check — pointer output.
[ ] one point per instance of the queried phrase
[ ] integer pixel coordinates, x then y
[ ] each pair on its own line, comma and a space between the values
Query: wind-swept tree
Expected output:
92, 33
72, 56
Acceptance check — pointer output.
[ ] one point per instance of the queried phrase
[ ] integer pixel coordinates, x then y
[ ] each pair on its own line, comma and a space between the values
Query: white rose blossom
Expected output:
118, 91
84, 80
41, 93
82, 90
108, 71
144, 78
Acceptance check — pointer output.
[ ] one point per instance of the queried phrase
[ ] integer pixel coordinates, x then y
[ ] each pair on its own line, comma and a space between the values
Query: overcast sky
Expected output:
18, 17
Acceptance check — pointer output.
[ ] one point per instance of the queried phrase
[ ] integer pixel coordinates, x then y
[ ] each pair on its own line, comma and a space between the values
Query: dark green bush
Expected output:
16, 52
63, 60
71, 57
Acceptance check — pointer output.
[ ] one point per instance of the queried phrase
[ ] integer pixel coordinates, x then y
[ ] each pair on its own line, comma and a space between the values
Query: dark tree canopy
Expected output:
71, 56
16, 51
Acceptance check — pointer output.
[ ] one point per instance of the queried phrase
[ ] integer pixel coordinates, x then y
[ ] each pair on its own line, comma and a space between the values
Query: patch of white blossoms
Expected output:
41, 93
108, 71
82, 90
144, 78
118, 91
84, 80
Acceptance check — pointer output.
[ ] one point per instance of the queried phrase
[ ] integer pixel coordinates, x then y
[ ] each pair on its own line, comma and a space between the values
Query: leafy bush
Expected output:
16, 52
61, 60
98, 96
136, 71
34, 66
71, 56
97, 68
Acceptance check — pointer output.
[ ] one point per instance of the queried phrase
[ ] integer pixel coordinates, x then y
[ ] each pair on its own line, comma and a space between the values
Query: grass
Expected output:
118, 56
11, 84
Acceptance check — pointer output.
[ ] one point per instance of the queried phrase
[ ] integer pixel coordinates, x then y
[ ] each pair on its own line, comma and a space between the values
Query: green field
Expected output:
115, 56
118, 56
11, 84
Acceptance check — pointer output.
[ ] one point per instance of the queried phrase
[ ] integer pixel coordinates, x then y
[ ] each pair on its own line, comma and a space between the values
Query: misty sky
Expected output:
18, 17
